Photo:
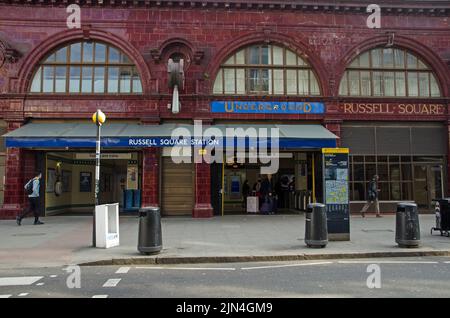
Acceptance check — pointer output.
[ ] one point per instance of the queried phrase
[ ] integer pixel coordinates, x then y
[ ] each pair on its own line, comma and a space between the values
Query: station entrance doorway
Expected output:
297, 182
70, 181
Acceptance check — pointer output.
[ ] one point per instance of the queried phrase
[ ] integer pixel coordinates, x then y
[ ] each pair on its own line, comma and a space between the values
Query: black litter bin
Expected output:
407, 230
316, 230
150, 236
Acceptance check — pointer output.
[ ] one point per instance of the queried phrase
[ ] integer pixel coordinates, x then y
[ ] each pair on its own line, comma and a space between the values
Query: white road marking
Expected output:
387, 262
5, 296
53, 276
287, 265
19, 281
123, 270
100, 296
190, 268
23, 294
40, 284
447, 262
112, 282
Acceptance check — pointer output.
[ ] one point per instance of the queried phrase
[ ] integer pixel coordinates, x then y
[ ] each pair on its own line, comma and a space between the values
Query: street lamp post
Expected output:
98, 118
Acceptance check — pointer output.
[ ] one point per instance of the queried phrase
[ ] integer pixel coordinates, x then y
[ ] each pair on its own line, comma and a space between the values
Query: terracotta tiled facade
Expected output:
327, 35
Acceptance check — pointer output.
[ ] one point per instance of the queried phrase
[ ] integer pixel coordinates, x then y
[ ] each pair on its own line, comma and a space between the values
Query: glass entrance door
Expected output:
427, 184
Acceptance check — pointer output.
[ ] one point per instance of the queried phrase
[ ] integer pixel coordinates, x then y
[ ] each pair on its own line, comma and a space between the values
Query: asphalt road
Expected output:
398, 277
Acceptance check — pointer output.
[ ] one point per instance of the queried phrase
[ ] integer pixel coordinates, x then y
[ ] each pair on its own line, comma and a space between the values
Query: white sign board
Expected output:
107, 225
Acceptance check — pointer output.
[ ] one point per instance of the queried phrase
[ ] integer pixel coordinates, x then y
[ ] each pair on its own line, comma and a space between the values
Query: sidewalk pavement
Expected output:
65, 240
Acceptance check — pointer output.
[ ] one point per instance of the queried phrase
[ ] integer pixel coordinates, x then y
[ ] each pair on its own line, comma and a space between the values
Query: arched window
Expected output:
86, 68
266, 70
389, 72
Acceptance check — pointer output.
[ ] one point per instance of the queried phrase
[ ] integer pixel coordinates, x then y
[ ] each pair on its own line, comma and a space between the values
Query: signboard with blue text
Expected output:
254, 107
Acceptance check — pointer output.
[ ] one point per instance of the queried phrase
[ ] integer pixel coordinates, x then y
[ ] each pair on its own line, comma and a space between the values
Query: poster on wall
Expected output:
336, 191
132, 177
51, 178
66, 181
85, 181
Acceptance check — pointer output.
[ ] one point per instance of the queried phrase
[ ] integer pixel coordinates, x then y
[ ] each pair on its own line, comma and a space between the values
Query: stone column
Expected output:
202, 207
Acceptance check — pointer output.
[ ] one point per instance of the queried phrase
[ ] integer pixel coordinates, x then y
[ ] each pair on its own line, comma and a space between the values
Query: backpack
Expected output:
29, 187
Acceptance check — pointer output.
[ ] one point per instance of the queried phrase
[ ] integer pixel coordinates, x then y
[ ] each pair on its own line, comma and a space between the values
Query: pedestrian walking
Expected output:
372, 197
245, 194
32, 188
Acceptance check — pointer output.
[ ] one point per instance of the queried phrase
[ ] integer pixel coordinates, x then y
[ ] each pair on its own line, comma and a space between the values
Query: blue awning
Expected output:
115, 135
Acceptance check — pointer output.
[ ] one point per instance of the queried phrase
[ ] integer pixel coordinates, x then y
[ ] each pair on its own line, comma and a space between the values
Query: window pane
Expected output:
395, 191
364, 60
113, 79
264, 80
413, 89
99, 80
394, 170
358, 170
406, 191
376, 58
343, 88
377, 83
422, 65
240, 57
61, 55
60, 79
137, 85
230, 61
399, 58
365, 84
218, 84
48, 79
100, 53
124, 59
36, 84
388, 58
314, 85
75, 53
384, 191
253, 55
406, 172
74, 80
277, 55
411, 61
265, 55
278, 82
383, 172
291, 58
114, 56
125, 80
435, 91
353, 77
240, 80
371, 170
230, 80
291, 82
303, 82
88, 52
424, 84
86, 83
359, 193
400, 84
389, 88
50, 59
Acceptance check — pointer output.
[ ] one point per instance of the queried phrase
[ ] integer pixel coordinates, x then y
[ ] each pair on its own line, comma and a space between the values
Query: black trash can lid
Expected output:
315, 205
405, 204
149, 208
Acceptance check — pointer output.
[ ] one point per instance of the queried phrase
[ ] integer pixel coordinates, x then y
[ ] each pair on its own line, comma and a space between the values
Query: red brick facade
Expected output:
207, 32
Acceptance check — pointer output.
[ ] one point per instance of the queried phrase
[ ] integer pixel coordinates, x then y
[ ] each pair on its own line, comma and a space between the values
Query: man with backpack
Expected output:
372, 197
32, 189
